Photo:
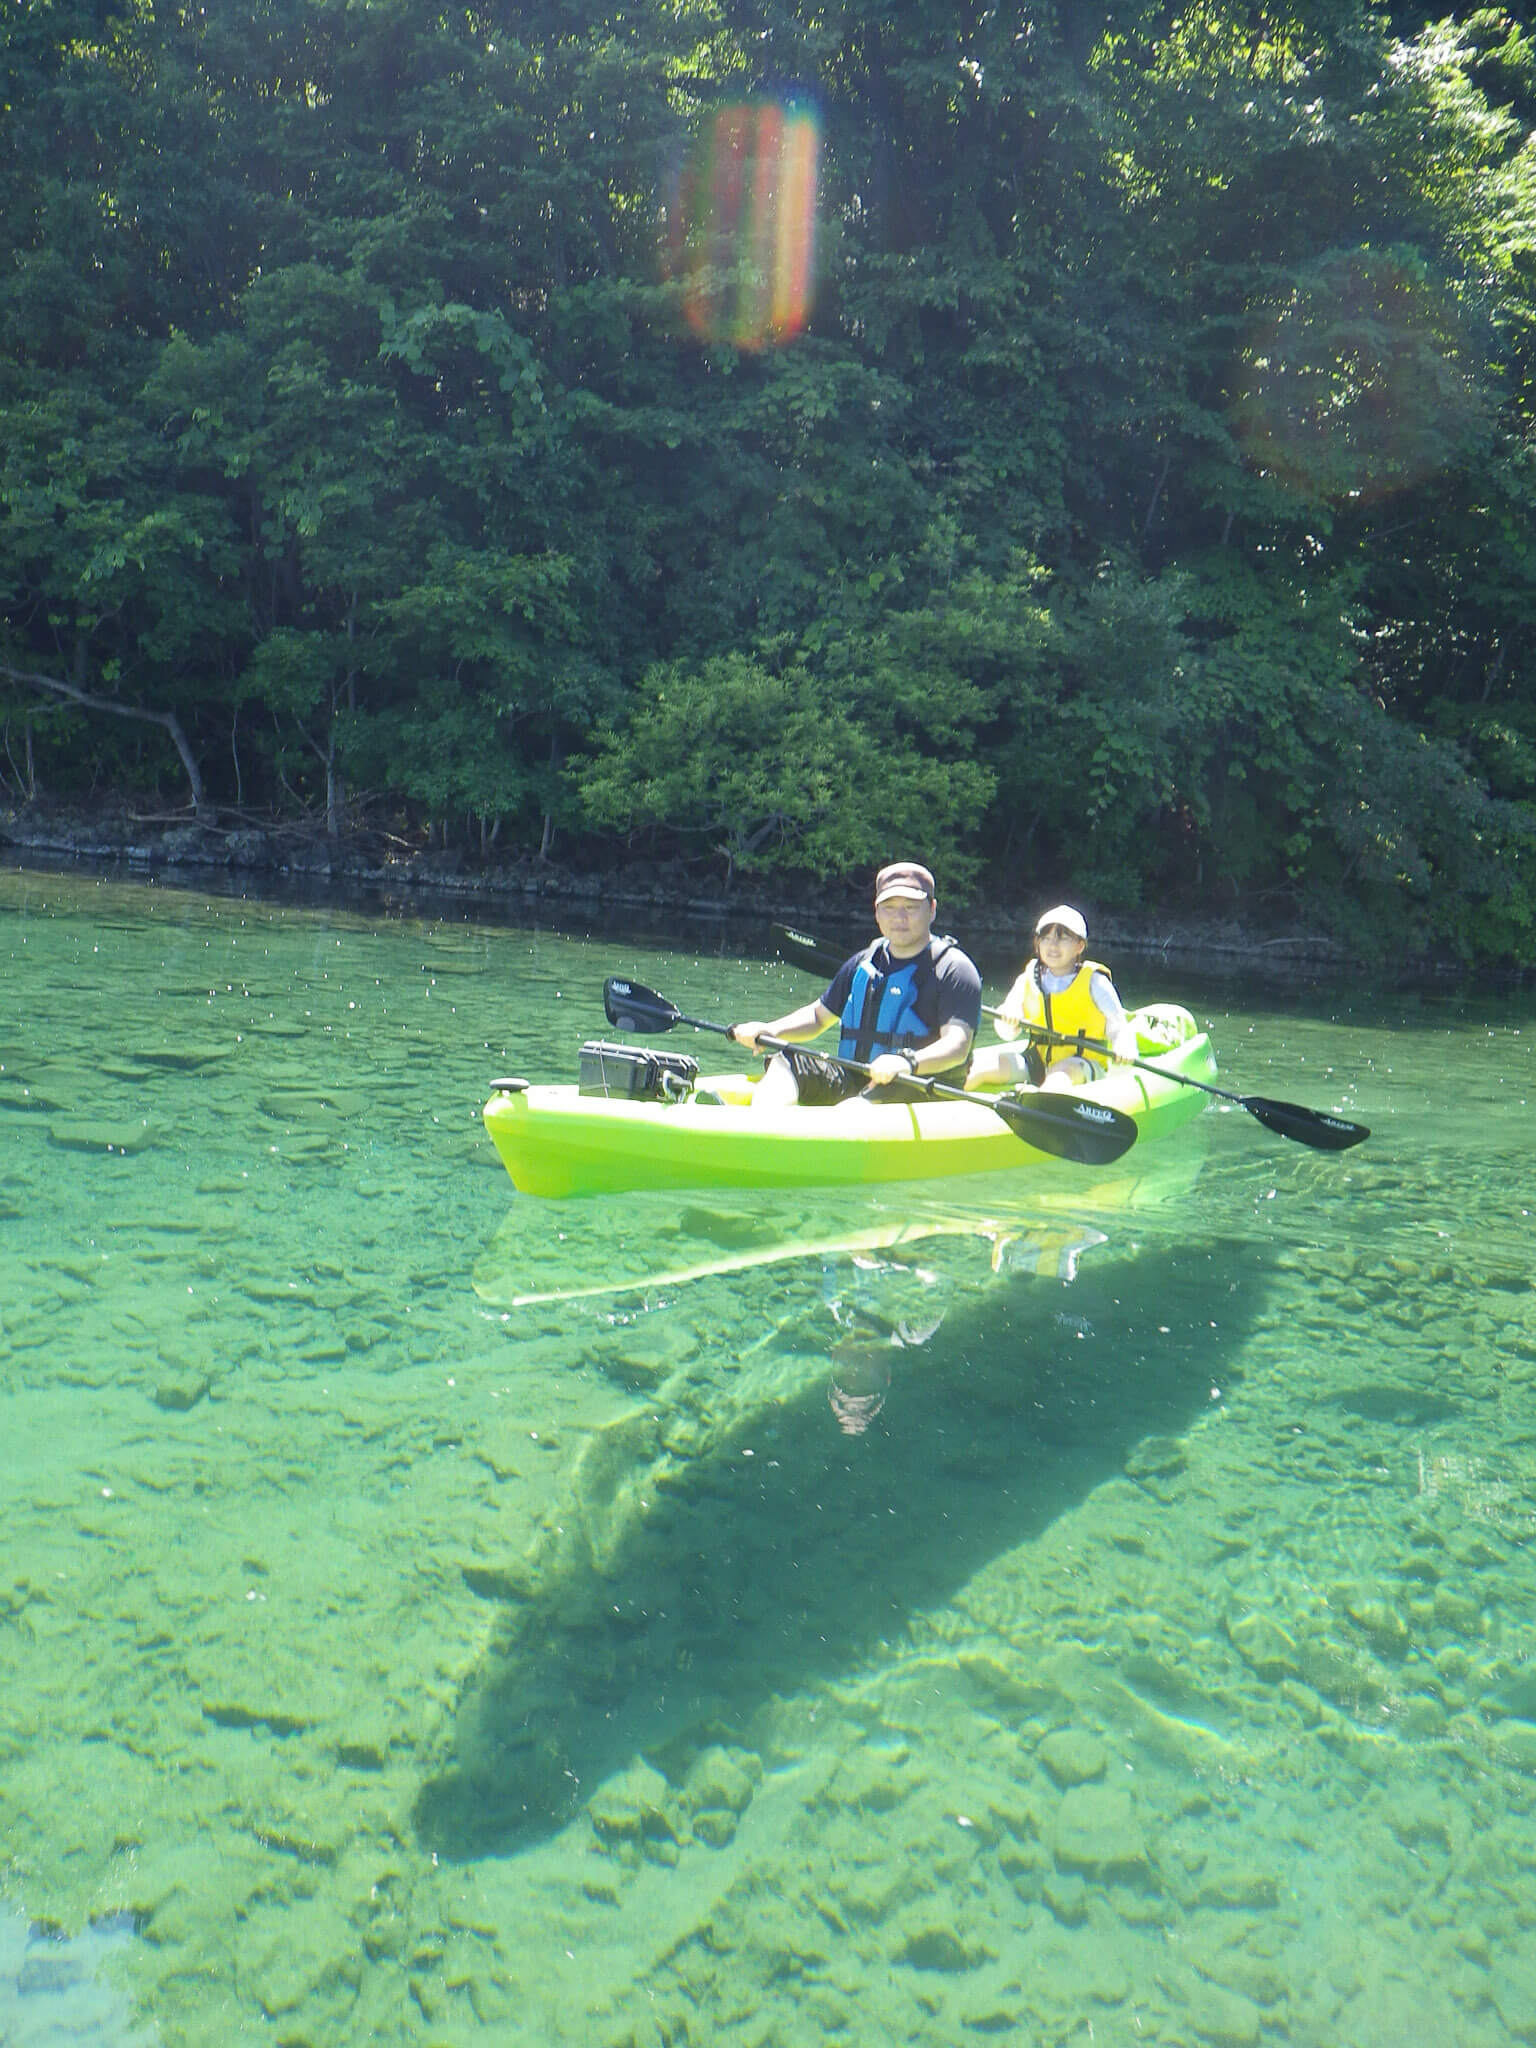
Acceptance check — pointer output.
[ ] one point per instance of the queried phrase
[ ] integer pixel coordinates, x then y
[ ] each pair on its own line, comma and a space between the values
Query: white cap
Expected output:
1069, 919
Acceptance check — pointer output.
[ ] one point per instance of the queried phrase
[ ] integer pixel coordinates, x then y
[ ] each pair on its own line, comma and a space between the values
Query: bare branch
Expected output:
89, 701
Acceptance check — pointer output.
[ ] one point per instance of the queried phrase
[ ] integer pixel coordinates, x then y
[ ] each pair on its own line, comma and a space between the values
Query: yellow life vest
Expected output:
1072, 1011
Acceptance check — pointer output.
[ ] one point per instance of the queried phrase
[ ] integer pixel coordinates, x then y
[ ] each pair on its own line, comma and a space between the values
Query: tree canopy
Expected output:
447, 419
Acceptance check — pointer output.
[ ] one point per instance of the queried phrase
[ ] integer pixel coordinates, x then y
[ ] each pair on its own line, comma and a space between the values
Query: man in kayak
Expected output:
908, 1004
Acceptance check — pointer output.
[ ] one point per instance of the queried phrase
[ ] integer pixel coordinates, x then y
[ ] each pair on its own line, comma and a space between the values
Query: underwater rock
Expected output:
1008, 1686
178, 1392
1456, 1611
1473, 1549
633, 1807
1379, 1622
869, 1785
365, 1745
1238, 1888
1516, 1696
512, 1580
873, 1891
714, 1826
1512, 1989
937, 1948
1514, 1743
91, 1134
286, 1974
1347, 1677
1156, 1457
1074, 1757
1264, 1646
1223, 2018
185, 1058
1236, 1967
1067, 1896
723, 1779
1424, 1717
1417, 1820
731, 1229
644, 1356
998, 2016
52, 1988
1098, 1833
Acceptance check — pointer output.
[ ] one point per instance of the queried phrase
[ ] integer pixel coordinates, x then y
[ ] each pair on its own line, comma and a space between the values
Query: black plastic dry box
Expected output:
632, 1073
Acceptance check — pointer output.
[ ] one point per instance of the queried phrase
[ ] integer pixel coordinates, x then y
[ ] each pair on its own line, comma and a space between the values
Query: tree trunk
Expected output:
335, 791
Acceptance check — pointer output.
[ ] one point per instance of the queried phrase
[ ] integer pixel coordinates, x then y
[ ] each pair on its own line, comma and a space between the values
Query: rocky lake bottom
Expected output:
1090, 1609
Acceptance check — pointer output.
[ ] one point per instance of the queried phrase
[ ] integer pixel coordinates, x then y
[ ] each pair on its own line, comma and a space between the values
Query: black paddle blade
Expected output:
802, 942
1068, 1127
1307, 1126
631, 1006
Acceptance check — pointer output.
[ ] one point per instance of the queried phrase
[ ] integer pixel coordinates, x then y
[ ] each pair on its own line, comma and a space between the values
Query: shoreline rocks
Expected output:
291, 858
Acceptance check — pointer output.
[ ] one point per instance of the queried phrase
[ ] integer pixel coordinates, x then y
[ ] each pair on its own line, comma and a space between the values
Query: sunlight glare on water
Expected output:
429, 1612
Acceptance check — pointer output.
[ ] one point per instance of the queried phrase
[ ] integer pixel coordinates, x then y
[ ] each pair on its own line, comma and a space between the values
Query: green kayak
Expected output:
559, 1140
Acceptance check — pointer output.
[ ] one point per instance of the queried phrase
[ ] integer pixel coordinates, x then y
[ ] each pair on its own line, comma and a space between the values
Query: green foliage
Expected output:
1147, 511
446, 752
1430, 861
772, 771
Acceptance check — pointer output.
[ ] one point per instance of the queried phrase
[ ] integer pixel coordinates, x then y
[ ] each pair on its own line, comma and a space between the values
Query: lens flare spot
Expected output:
1357, 380
739, 225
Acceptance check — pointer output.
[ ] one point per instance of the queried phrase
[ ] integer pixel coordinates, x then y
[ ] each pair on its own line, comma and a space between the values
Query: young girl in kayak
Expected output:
1062, 992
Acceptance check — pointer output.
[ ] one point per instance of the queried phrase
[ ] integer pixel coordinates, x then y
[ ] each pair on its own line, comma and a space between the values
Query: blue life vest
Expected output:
882, 1013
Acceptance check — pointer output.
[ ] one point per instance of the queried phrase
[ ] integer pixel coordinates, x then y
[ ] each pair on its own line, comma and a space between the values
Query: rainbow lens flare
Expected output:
740, 226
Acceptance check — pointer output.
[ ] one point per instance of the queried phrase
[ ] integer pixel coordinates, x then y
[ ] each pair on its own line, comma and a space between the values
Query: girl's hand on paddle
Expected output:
1009, 1014
1123, 1048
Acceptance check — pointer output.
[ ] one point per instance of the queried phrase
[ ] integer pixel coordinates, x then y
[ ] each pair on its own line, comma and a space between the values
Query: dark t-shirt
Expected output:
950, 995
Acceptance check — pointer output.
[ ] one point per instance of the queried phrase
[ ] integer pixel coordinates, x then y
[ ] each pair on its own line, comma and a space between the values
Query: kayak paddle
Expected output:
1314, 1127
1089, 1133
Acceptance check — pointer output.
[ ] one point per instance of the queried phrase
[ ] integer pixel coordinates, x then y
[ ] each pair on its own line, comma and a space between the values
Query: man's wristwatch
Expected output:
910, 1057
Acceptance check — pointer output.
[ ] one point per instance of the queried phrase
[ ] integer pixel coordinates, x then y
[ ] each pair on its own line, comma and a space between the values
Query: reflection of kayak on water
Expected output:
526, 1266
647, 1242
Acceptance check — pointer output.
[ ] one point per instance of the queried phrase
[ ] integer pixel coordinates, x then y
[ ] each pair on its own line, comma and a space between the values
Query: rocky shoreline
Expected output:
290, 857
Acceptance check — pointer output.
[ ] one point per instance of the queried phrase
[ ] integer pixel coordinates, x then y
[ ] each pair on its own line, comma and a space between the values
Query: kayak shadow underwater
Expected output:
710, 1555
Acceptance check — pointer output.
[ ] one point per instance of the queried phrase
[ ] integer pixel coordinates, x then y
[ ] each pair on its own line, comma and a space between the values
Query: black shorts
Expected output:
820, 1082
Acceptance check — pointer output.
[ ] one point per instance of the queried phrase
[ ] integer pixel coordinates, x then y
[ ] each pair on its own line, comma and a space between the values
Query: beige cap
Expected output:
903, 878
1069, 919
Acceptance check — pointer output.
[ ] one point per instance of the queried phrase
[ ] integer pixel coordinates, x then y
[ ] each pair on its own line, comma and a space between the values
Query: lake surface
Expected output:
1080, 1606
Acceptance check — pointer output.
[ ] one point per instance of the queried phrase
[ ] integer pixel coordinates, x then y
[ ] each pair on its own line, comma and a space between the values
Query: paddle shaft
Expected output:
765, 1043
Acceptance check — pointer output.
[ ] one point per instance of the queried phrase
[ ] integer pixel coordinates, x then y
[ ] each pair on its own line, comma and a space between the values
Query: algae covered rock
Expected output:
1514, 1743
938, 1948
722, 1780
1264, 1646
1074, 1757
1223, 2018
633, 1807
1157, 1457
715, 1826
1098, 1833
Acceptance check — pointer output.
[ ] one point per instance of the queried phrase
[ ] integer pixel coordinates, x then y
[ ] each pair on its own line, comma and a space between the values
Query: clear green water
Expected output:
1097, 1609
